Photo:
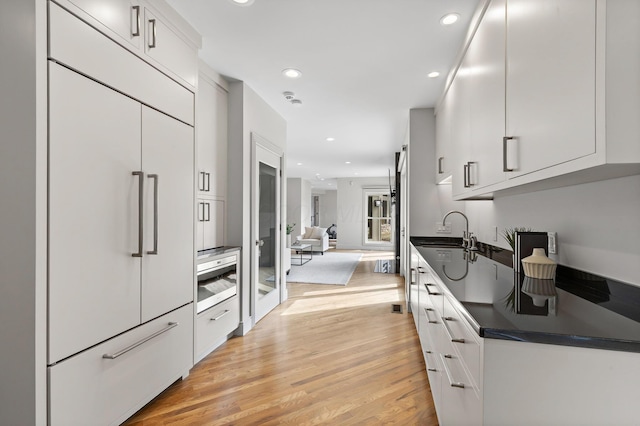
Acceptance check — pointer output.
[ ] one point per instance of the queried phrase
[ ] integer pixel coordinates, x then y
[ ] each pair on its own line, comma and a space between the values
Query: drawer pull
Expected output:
136, 32
432, 293
135, 345
505, 167
446, 326
420, 269
226, 311
429, 320
430, 369
452, 382
154, 34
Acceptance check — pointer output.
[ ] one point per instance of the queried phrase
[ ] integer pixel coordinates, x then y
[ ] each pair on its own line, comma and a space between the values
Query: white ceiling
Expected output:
364, 64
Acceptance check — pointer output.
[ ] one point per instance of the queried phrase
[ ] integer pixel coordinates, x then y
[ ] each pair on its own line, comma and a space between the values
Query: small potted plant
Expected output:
289, 231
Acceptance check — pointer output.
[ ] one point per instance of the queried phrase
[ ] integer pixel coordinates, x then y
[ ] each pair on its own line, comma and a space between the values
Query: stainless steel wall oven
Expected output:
217, 278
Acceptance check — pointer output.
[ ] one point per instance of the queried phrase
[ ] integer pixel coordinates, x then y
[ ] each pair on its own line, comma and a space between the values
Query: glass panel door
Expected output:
267, 232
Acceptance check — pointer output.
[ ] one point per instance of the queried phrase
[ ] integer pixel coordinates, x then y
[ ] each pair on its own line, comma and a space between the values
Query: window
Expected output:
378, 220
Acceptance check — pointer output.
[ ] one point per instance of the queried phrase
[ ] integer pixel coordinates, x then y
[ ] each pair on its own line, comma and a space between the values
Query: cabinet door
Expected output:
168, 50
486, 59
122, 18
210, 227
94, 146
460, 130
167, 160
550, 81
211, 135
443, 140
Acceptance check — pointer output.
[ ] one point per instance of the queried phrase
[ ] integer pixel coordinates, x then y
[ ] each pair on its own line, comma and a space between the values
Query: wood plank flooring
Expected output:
329, 355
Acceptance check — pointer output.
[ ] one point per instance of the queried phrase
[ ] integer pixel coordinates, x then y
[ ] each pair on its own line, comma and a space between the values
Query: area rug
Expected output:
330, 268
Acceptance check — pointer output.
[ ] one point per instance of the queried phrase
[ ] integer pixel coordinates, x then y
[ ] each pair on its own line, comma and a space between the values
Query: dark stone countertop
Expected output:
578, 309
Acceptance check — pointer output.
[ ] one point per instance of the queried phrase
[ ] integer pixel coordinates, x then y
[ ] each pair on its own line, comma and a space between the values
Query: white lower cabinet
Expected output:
214, 325
106, 384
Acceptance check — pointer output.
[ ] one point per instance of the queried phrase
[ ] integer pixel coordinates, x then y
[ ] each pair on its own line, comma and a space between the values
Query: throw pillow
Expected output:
307, 233
318, 232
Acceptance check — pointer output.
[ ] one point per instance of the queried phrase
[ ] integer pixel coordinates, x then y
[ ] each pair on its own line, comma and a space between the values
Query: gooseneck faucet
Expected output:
467, 240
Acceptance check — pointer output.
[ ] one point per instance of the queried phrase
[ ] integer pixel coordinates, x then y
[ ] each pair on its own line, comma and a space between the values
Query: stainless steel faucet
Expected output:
468, 241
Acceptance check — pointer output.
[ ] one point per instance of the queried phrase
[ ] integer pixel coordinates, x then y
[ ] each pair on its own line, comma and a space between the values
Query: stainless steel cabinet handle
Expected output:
505, 167
413, 275
440, 165
226, 311
469, 164
135, 345
429, 320
200, 210
465, 175
208, 182
152, 43
446, 326
432, 293
208, 219
452, 382
140, 212
136, 32
200, 181
155, 213
430, 369
421, 270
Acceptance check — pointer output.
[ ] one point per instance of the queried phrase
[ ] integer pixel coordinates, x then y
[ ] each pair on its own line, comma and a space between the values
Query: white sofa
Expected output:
317, 237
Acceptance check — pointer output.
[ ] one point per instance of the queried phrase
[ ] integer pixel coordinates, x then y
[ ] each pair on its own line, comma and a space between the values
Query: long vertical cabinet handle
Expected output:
440, 171
136, 32
505, 167
208, 219
140, 212
152, 43
448, 330
208, 182
469, 164
452, 382
155, 213
465, 174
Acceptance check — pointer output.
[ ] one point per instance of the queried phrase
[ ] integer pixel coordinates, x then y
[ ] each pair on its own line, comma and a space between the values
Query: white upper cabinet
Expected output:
551, 74
168, 49
150, 29
546, 95
121, 19
211, 137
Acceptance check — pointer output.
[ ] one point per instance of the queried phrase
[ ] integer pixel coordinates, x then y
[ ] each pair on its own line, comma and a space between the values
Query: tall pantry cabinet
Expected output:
121, 210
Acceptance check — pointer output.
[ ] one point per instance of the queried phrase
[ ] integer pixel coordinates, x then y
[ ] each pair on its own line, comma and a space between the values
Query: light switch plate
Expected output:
552, 245
443, 229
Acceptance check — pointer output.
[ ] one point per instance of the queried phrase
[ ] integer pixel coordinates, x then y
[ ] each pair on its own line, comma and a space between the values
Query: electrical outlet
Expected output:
443, 229
553, 244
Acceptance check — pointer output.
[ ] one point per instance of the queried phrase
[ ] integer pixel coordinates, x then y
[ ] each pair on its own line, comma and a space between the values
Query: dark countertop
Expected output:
586, 310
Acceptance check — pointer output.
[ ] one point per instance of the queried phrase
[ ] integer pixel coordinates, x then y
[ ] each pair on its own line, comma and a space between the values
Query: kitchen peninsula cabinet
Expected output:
557, 106
121, 221
494, 350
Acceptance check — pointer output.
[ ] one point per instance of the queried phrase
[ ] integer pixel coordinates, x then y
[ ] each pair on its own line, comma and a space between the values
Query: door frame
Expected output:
260, 143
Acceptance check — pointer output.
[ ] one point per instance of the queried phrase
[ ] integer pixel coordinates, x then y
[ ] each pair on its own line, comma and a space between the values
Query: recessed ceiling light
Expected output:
296, 102
299, 164
330, 139
355, 173
291, 73
243, 2
347, 162
449, 19
433, 74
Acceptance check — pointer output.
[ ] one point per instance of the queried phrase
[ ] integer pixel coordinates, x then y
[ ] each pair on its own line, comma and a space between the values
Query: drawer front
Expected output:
463, 338
79, 46
214, 324
91, 389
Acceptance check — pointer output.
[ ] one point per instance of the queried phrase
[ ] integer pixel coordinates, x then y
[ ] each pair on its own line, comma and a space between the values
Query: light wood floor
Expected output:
329, 355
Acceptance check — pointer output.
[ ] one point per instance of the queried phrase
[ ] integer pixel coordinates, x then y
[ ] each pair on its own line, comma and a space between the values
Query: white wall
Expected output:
247, 113
350, 219
428, 202
298, 196
328, 207
23, 212
598, 224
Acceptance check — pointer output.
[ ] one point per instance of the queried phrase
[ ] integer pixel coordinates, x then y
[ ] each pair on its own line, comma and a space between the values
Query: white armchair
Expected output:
317, 237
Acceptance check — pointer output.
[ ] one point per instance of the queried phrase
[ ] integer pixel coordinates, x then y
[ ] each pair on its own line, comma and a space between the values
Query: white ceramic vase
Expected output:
538, 265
